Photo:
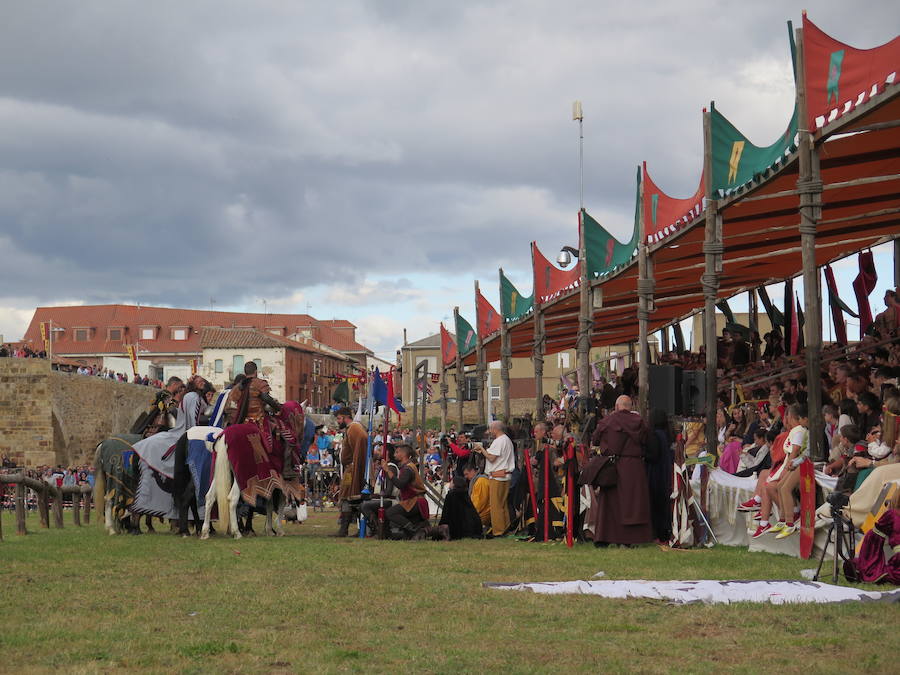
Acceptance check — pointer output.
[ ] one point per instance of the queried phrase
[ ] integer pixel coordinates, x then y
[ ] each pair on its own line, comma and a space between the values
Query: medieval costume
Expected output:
412, 509
622, 509
353, 461
550, 521
660, 463
459, 514
479, 494
157, 466
872, 565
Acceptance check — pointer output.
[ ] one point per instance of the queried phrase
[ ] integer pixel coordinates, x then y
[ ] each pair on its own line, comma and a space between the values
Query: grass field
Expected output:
77, 600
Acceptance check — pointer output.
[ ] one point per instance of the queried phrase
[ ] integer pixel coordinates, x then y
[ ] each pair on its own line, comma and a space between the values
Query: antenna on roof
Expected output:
212, 302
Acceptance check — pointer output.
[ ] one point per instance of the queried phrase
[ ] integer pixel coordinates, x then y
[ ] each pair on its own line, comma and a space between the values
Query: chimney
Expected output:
404, 338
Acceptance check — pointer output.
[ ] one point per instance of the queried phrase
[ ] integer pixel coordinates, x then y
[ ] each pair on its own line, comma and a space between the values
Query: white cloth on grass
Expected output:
706, 591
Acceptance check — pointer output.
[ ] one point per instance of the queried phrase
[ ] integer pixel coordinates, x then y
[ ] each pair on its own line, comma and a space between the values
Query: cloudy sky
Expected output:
365, 160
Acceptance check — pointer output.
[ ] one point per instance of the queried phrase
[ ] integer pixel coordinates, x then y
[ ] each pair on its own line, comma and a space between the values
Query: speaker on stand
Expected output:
693, 392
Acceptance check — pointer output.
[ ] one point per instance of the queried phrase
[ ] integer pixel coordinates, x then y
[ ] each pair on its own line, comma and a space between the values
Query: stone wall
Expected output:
48, 417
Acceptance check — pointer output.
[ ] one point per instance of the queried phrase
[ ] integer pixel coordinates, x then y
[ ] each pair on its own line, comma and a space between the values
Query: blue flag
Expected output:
379, 389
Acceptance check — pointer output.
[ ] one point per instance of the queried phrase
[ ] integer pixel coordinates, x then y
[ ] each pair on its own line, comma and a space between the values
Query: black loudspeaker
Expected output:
693, 392
665, 389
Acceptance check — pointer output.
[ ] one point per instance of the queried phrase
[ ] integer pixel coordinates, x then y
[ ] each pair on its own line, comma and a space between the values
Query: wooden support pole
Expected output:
76, 508
460, 373
43, 499
665, 339
896, 263
89, 502
585, 315
484, 397
537, 351
505, 366
20, 509
445, 390
645, 288
57, 507
809, 184
713, 250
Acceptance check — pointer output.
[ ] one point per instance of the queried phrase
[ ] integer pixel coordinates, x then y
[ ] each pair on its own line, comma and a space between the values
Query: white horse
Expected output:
224, 490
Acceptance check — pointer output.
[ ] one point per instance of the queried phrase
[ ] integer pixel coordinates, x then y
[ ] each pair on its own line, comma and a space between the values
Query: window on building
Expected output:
258, 363
237, 365
82, 334
219, 365
471, 393
495, 393
179, 333
563, 360
148, 333
317, 367
115, 334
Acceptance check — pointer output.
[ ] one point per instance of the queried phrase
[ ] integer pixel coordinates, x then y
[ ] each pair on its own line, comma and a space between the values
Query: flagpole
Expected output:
537, 350
505, 356
460, 375
481, 370
445, 388
583, 342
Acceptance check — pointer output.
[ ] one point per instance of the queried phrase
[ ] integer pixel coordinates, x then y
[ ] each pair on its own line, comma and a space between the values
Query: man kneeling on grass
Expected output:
410, 514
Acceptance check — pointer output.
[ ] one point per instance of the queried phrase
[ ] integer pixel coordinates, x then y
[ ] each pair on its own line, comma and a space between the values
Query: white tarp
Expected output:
708, 592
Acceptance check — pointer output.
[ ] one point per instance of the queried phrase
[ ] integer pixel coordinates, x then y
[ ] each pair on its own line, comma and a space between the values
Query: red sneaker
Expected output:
749, 505
761, 530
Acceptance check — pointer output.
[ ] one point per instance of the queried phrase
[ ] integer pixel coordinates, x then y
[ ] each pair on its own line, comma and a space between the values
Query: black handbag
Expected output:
608, 474
600, 472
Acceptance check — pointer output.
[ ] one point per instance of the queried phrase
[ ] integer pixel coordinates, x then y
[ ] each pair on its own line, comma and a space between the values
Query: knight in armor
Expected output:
248, 400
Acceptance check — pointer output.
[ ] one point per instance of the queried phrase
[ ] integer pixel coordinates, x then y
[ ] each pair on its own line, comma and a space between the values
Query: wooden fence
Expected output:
49, 497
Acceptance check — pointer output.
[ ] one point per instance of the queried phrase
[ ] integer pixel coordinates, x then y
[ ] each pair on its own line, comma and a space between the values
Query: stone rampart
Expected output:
49, 417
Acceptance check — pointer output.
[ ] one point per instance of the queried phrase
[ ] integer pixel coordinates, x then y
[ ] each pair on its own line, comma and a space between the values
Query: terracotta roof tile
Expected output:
131, 318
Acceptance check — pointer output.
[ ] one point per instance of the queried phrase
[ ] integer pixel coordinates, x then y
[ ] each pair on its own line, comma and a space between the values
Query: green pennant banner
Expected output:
604, 252
735, 160
465, 336
512, 305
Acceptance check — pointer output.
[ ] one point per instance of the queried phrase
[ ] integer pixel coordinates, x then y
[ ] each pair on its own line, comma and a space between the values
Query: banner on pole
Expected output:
132, 354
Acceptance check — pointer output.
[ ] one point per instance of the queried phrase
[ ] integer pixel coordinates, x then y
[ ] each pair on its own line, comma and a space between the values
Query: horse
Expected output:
116, 477
259, 470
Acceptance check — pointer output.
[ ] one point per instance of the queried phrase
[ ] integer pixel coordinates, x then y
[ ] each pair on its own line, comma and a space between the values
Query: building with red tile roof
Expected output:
169, 338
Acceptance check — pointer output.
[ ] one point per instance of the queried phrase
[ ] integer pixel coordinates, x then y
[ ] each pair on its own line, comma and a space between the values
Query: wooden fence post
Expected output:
88, 504
44, 506
20, 508
76, 508
57, 507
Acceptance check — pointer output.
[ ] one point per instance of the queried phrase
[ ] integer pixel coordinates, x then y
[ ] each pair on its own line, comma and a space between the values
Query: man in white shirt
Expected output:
499, 464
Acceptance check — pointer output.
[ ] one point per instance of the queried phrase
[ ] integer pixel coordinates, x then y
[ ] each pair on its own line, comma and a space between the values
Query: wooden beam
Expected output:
809, 185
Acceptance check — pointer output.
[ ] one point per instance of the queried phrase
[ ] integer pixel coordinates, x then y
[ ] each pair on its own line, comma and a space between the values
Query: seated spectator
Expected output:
460, 518
755, 457
479, 491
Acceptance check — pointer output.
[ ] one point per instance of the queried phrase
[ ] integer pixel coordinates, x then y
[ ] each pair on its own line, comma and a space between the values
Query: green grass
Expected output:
81, 601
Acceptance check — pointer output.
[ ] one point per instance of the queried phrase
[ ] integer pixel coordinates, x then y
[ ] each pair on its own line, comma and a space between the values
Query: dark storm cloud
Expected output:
164, 152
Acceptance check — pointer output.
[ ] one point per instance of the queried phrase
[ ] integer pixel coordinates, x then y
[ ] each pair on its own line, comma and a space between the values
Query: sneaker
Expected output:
777, 527
788, 531
757, 517
761, 530
749, 505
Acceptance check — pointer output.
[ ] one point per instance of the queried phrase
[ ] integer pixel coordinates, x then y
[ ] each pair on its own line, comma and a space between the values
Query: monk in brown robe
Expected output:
353, 461
622, 515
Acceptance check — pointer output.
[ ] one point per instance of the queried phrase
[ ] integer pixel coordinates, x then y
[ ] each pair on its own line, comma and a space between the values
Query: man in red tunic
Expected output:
622, 515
